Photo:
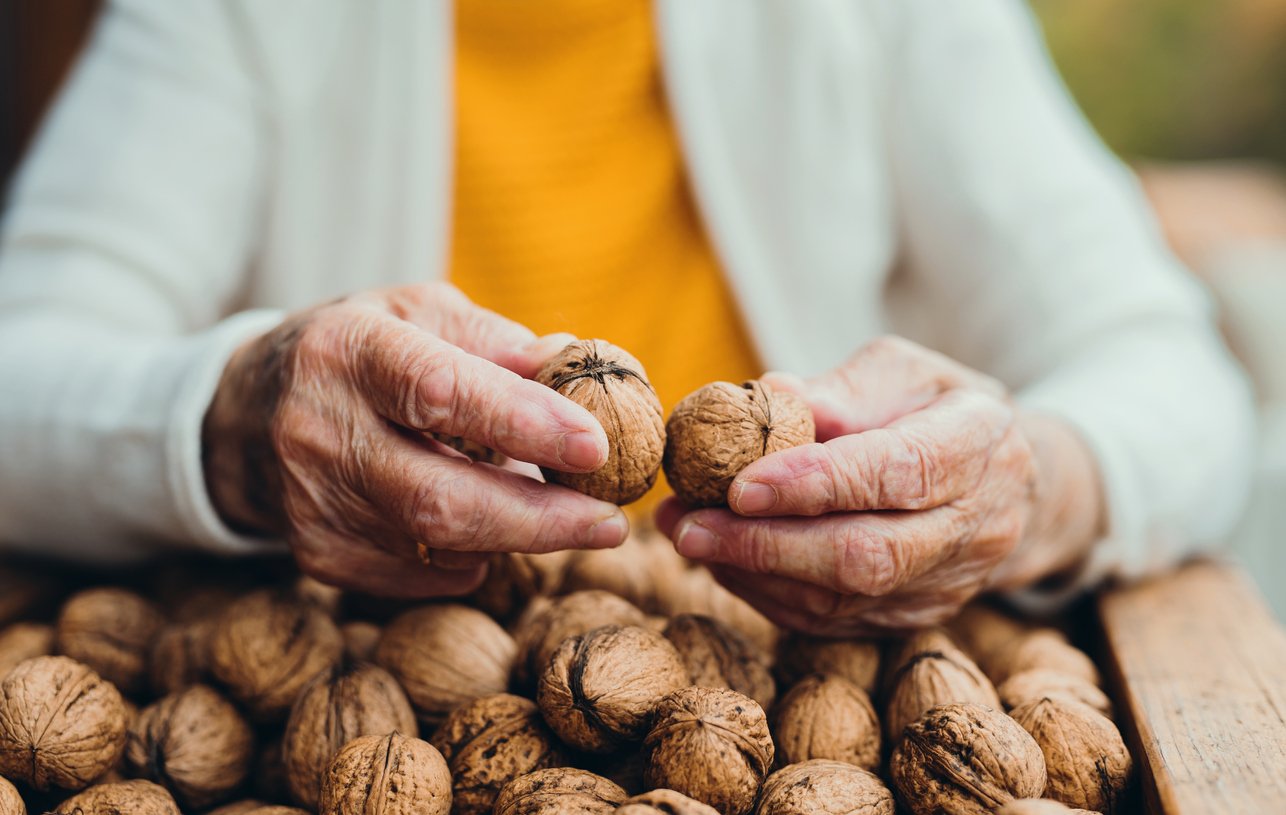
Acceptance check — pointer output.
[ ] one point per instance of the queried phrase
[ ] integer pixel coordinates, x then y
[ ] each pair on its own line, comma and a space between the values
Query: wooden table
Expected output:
1198, 664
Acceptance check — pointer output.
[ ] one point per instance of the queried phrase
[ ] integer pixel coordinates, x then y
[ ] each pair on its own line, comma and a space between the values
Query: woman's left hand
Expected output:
922, 490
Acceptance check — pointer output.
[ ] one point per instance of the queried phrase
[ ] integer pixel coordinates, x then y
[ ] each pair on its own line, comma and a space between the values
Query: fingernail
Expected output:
754, 496
696, 541
609, 532
579, 449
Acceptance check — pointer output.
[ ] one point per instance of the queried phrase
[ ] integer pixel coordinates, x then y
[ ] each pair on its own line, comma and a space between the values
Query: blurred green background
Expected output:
1176, 79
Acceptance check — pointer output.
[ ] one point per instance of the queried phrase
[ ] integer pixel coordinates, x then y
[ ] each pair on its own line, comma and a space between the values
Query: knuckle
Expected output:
453, 514
912, 467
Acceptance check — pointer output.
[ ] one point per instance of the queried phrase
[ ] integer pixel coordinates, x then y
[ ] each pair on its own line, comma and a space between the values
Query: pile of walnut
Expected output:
620, 681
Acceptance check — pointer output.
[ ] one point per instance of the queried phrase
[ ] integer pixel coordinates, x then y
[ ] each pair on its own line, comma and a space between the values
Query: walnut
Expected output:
644, 571
559, 791
22, 641
718, 656
340, 705
1043, 648
194, 743
10, 801
120, 798
111, 631
696, 592
180, 656
541, 631
274, 810
240, 808
931, 671
711, 744
360, 639
489, 742
445, 655
599, 689
982, 630
1039, 682
822, 787
856, 660
267, 646
391, 775
965, 759
716, 430
514, 578
269, 781
611, 384
61, 725
826, 716
1085, 756
664, 802
1039, 806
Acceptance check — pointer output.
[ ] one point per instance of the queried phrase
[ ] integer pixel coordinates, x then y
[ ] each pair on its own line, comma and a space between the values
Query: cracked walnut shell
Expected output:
1086, 758
352, 700
61, 725
390, 775
120, 798
965, 759
599, 689
664, 802
718, 429
711, 744
822, 787
559, 791
827, 717
194, 743
490, 742
611, 385
719, 656
445, 655
110, 630
931, 670
267, 646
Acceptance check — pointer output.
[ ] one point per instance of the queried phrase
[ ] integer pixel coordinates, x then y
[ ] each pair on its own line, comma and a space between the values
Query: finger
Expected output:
423, 383
452, 503
668, 514
870, 553
920, 461
351, 566
449, 560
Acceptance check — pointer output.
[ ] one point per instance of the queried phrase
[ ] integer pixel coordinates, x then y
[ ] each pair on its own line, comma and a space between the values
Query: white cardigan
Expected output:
863, 166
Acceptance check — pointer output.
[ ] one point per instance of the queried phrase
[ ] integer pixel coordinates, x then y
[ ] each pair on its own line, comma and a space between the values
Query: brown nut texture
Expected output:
1044, 648
489, 742
194, 743
697, 592
822, 787
711, 744
239, 808
559, 791
1086, 758
719, 656
110, 630
644, 570
718, 429
354, 699
61, 725
268, 779
1040, 806
983, 630
827, 717
611, 385
267, 646
180, 656
10, 801
1040, 682
120, 798
664, 802
360, 640
445, 655
931, 670
386, 775
965, 759
799, 655
514, 578
20, 642
599, 689
541, 631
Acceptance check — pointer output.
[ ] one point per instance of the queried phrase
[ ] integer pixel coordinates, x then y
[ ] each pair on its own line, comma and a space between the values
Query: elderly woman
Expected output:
223, 321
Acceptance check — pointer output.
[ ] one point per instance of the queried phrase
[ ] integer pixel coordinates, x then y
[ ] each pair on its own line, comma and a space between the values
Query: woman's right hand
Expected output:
321, 432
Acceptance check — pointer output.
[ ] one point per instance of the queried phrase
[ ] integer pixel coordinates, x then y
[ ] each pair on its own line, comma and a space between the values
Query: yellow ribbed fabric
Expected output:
572, 210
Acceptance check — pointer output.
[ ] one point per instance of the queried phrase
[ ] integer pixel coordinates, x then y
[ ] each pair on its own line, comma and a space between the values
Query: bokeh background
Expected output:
1191, 92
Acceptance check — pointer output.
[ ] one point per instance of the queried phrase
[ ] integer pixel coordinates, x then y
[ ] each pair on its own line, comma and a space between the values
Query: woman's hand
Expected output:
926, 486
320, 432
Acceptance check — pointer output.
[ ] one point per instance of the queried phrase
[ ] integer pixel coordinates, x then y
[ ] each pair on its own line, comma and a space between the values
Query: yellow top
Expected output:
572, 210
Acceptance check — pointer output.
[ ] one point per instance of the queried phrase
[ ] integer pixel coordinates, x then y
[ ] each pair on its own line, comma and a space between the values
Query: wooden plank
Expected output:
1200, 666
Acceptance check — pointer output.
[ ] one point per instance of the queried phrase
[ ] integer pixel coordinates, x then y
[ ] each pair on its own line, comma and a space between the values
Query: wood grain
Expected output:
1200, 669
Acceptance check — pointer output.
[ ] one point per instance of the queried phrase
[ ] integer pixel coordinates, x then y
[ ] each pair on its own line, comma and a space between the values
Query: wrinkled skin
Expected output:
321, 432
927, 485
